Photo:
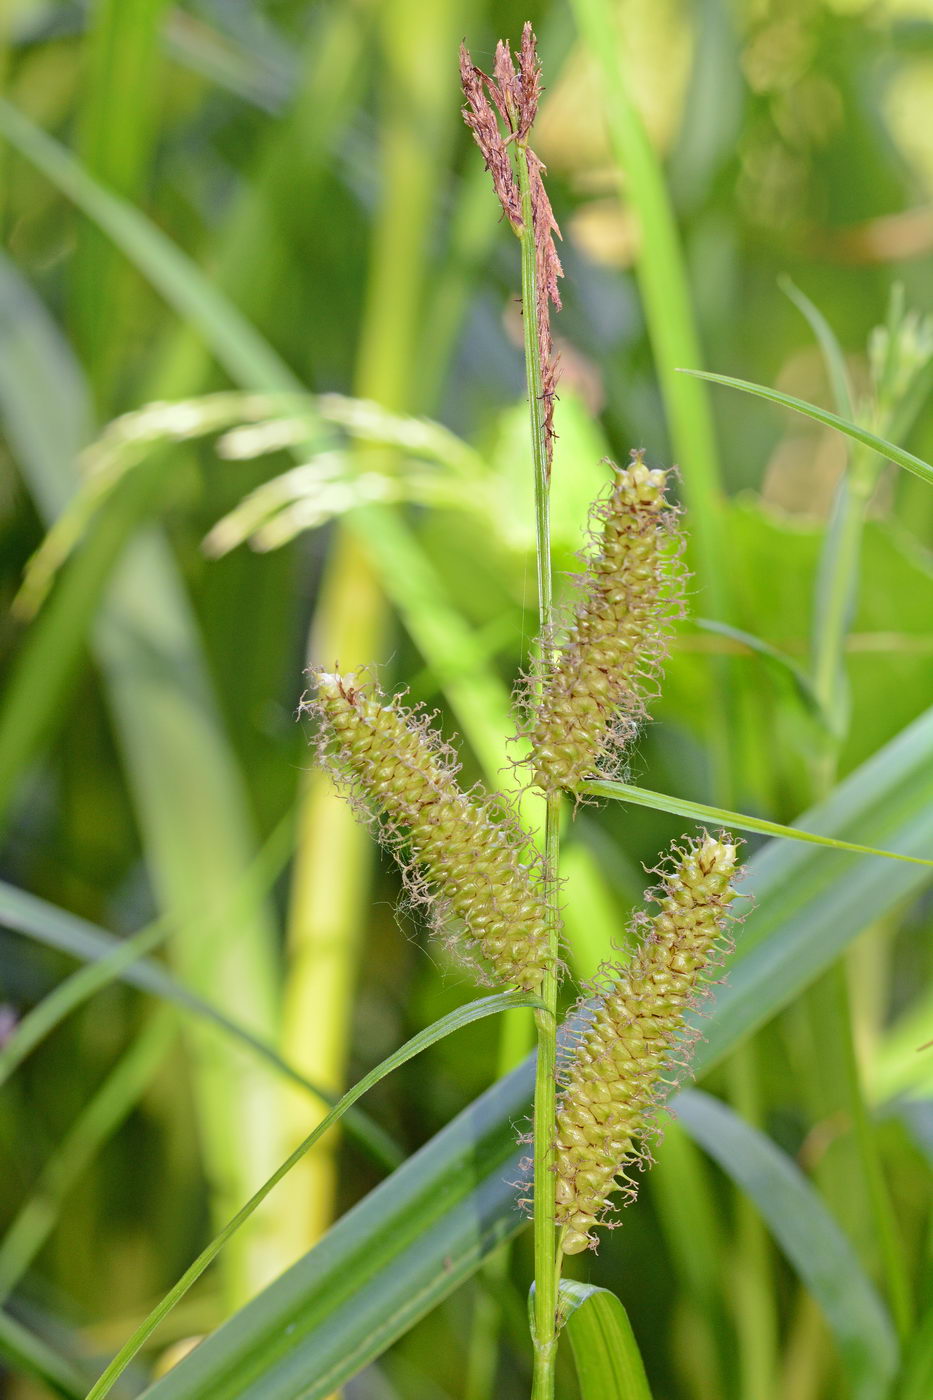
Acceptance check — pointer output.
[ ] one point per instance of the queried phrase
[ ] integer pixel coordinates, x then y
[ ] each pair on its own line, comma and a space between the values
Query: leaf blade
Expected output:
807, 1234
456, 1020
608, 1361
700, 811
885, 449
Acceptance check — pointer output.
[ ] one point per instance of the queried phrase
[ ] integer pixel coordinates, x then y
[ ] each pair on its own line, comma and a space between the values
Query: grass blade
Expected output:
885, 449
242, 351
106, 1110
122, 58
57, 928
916, 1379
809, 904
699, 811
609, 1364
456, 1020
24, 1352
809, 1236
833, 355
781, 662
72, 993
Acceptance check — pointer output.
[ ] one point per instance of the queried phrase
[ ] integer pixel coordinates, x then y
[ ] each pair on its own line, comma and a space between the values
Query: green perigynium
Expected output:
463, 853
636, 1027
594, 686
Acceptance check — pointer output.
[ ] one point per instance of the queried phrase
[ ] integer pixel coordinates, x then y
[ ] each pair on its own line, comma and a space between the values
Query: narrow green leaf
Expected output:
699, 811
29, 1355
780, 659
97, 1121
456, 1020
808, 904
122, 60
609, 1364
833, 355
72, 993
902, 458
808, 1235
108, 959
57, 928
916, 1379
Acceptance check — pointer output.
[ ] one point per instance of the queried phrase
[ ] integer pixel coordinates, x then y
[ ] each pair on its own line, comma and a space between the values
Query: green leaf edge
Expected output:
606, 1354
698, 811
869, 1348
33, 1356
33, 917
454, 1021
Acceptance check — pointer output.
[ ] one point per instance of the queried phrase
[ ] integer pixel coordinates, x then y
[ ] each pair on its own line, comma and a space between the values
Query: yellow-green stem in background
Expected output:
545, 1297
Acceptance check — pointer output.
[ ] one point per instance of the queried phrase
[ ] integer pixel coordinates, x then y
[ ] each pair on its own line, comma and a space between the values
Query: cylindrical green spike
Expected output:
593, 691
472, 860
611, 1084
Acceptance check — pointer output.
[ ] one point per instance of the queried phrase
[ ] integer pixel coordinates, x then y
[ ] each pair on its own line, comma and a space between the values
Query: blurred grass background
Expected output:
281, 196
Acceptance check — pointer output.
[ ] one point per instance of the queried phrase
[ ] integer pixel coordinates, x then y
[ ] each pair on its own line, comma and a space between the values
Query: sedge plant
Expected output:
465, 853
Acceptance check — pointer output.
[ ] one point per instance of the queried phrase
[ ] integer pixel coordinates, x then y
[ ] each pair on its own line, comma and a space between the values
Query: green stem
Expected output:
546, 1260
836, 591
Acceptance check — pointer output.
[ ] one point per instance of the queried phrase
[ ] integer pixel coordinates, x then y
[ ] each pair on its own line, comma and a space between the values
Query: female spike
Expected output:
612, 1081
473, 862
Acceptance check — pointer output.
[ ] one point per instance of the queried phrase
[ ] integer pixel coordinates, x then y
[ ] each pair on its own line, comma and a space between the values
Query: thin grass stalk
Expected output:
834, 608
122, 59
545, 1103
39, 1214
755, 1319
324, 934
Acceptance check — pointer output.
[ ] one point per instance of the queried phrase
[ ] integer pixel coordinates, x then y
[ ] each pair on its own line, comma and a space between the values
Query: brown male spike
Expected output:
473, 861
513, 92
